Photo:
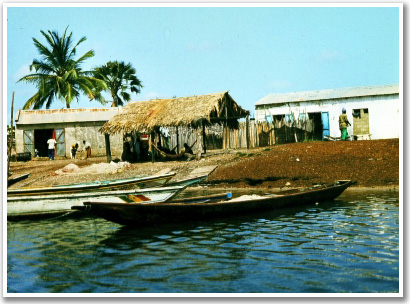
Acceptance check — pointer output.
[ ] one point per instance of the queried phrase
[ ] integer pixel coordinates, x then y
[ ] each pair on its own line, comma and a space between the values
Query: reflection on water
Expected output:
350, 245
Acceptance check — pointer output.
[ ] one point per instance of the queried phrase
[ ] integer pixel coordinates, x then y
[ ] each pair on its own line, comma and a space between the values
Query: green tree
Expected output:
120, 79
58, 75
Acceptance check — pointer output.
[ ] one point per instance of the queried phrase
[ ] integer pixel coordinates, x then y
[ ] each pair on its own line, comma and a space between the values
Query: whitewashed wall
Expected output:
90, 133
78, 124
384, 113
77, 132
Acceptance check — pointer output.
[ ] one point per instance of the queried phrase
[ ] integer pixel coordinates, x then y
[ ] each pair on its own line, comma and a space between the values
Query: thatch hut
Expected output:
193, 111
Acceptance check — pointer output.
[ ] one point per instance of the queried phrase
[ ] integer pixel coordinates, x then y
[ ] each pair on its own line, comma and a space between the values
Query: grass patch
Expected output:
240, 154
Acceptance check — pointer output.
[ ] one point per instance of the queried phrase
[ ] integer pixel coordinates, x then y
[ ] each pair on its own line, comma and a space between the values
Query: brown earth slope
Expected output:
372, 163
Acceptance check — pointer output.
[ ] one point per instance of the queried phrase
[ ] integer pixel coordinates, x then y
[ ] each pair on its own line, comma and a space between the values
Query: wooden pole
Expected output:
203, 137
247, 132
177, 131
11, 136
152, 147
107, 147
159, 138
226, 125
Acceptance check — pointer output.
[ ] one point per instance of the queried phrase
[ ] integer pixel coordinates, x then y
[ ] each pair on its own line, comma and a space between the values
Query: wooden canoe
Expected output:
196, 199
188, 181
12, 181
26, 206
139, 182
196, 176
177, 212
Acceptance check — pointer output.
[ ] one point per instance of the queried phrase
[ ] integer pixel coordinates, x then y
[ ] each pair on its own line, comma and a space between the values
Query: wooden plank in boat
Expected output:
202, 171
163, 171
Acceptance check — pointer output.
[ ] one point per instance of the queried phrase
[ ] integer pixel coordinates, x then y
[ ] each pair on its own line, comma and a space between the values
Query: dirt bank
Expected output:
372, 163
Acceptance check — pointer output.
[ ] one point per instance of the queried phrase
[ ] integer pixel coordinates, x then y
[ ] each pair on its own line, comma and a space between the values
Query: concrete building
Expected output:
35, 127
373, 111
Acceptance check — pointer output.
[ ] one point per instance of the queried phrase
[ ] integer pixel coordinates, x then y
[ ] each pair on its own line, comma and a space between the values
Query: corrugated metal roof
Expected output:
25, 117
329, 94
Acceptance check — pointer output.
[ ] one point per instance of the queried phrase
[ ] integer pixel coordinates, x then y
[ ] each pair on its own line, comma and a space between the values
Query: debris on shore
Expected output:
372, 163
100, 168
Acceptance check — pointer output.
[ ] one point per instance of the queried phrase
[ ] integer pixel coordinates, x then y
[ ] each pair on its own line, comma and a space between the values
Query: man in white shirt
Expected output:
87, 147
51, 144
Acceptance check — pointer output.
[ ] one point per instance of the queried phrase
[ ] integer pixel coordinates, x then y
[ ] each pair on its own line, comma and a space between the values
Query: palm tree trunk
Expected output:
115, 100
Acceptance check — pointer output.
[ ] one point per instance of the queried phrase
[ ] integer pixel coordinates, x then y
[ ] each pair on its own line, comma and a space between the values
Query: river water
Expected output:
350, 245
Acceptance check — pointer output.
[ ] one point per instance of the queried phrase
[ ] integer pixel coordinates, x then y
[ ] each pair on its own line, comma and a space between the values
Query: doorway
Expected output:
317, 133
40, 141
325, 124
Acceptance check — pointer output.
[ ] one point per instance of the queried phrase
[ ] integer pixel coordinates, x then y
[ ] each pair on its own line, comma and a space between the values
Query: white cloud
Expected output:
22, 71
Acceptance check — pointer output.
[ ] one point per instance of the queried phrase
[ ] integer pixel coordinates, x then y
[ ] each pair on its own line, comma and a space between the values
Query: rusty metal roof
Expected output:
329, 94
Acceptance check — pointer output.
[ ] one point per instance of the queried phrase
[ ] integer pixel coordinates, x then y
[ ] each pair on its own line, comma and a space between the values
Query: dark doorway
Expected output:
40, 141
317, 125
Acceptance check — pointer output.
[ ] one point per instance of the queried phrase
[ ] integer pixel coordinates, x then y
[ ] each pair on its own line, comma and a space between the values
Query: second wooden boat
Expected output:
13, 180
26, 206
138, 182
177, 212
188, 181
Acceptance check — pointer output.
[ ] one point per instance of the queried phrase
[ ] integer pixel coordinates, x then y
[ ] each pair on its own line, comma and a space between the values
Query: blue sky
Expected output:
248, 51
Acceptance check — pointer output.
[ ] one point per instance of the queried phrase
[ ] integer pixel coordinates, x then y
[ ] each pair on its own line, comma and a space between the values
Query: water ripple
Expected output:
347, 246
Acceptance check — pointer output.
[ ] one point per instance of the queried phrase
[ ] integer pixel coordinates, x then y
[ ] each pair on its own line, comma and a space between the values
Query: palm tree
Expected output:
58, 75
120, 78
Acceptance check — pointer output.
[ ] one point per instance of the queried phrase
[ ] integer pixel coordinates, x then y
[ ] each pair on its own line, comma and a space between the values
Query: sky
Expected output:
183, 51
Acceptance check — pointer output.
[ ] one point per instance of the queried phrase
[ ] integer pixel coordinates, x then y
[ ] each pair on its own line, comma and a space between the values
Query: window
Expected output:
356, 113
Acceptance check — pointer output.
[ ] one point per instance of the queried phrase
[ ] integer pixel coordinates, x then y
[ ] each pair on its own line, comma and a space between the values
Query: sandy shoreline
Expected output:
374, 164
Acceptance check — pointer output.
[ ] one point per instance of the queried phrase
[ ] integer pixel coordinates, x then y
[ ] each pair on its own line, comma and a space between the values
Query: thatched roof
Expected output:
144, 116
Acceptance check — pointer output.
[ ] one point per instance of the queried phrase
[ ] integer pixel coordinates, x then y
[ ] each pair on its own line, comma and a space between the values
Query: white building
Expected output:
372, 110
67, 126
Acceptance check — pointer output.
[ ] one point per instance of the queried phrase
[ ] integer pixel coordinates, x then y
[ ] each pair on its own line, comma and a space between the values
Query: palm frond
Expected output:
125, 96
120, 78
58, 74
87, 55
49, 37
31, 101
42, 67
43, 50
31, 78
49, 101
135, 89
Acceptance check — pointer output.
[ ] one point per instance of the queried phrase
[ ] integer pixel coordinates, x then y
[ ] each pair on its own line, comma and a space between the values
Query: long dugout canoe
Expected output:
139, 182
160, 213
26, 206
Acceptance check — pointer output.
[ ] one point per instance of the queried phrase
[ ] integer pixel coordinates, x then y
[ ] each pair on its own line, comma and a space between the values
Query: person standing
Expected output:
343, 124
74, 148
51, 145
137, 148
87, 148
